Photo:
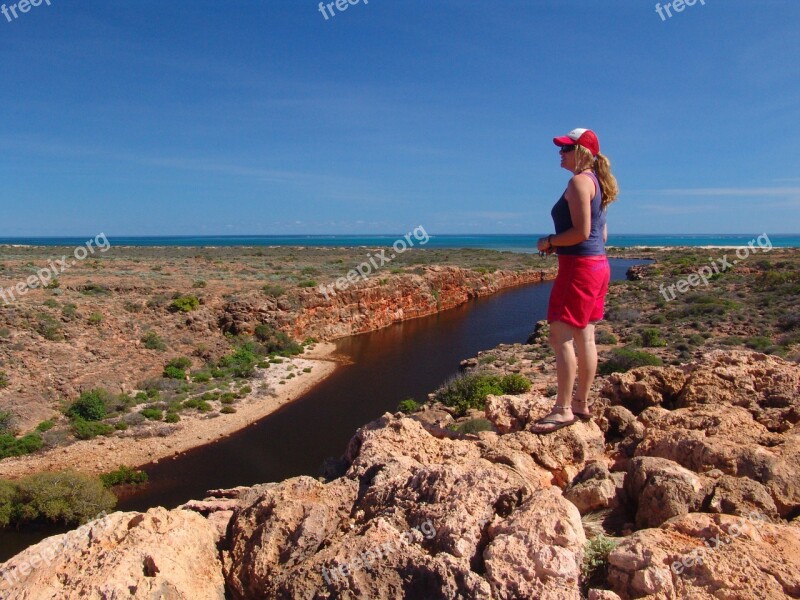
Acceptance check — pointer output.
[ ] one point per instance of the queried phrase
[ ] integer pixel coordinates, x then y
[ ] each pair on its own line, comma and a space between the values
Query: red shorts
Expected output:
579, 291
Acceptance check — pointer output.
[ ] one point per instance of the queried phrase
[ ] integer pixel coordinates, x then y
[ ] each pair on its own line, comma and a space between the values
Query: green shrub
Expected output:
605, 337
408, 406
90, 406
474, 426
464, 392
273, 290
48, 328
185, 304
275, 341
3, 380
69, 311
172, 417
176, 368
514, 383
241, 362
6, 421
624, 359
95, 318
152, 341
52, 285
651, 338
758, 343
227, 410
63, 497
86, 430
13, 446
50, 303
594, 570
199, 284
46, 425
95, 289
8, 492
5, 333
123, 475
201, 377
197, 403
152, 414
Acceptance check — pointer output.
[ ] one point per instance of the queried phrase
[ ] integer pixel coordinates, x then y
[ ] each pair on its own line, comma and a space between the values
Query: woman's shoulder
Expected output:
583, 182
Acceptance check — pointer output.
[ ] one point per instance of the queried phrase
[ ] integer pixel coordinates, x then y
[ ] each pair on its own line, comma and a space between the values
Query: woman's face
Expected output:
567, 154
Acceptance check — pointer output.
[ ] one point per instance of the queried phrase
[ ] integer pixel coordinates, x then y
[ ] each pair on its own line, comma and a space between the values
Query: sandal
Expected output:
583, 416
548, 420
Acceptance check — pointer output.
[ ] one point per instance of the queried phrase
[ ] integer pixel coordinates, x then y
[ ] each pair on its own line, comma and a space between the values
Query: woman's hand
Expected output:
543, 245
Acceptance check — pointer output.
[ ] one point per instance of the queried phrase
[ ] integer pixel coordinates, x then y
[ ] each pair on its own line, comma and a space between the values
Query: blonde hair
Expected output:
602, 168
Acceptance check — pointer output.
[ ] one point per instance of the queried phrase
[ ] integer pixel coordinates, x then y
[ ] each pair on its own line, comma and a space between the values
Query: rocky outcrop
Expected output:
373, 303
701, 556
158, 554
701, 494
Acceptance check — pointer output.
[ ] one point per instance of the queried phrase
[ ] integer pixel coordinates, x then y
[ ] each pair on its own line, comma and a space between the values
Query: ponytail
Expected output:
608, 183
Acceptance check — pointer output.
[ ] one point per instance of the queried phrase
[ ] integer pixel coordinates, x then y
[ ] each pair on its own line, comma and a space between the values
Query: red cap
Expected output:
581, 137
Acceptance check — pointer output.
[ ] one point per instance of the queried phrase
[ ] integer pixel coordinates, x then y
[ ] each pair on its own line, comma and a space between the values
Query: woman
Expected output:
576, 301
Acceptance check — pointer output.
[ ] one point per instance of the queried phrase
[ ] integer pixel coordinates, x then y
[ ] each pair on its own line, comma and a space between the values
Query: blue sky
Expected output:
263, 117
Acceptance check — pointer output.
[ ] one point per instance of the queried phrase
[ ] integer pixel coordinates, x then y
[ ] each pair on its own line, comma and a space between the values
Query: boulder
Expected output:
170, 554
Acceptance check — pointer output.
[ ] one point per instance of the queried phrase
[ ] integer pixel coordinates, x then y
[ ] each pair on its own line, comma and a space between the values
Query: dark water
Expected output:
409, 359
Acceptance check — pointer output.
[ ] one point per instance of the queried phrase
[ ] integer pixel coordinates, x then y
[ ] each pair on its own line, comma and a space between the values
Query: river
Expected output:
408, 359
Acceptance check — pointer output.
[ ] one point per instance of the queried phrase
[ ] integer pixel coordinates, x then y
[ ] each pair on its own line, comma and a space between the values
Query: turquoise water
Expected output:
512, 242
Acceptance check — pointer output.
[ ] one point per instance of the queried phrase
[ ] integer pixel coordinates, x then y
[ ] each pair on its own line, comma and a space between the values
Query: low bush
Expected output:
48, 328
603, 336
241, 362
152, 414
408, 406
90, 406
63, 497
273, 290
514, 383
86, 430
172, 417
14, 446
624, 359
651, 338
95, 318
6, 422
46, 425
185, 304
123, 475
464, 392
152, 341
176, 368
594, 569
197, 403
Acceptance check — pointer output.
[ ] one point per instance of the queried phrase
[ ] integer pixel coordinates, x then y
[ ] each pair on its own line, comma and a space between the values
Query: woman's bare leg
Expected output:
561, 336
586, 352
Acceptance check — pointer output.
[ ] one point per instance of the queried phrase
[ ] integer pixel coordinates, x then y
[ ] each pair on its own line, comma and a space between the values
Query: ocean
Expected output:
508, 242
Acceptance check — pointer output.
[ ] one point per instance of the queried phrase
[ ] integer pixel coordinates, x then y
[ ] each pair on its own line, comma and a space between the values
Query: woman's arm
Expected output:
579, 199
605, 232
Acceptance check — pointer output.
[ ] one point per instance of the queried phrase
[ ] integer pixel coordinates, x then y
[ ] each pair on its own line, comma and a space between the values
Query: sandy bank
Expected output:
271, 390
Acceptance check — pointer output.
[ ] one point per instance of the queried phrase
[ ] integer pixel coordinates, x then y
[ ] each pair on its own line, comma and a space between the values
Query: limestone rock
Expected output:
707, 557
158, 554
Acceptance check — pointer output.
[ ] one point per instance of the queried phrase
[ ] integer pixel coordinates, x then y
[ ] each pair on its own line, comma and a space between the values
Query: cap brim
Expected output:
564, 140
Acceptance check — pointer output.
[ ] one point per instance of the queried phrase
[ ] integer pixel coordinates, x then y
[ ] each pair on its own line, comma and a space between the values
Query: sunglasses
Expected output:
566, 149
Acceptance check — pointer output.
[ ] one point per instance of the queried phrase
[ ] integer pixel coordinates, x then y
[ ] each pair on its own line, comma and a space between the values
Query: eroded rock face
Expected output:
662, 489
708, 557
414, 516
158, 554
